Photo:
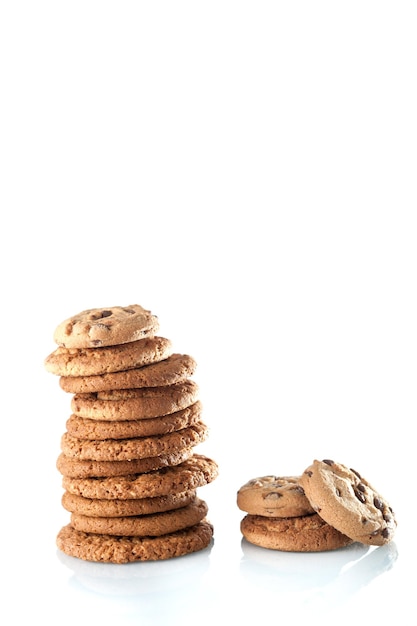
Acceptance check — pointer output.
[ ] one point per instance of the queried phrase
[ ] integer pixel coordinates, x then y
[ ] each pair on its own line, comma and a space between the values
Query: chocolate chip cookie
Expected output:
274, 496
347, 501
108, 326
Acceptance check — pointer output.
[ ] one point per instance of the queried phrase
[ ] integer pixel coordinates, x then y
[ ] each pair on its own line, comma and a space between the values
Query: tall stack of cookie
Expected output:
128, 460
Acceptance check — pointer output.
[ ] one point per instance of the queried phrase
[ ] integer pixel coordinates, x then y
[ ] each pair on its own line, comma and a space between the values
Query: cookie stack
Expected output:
128, 461
328, 507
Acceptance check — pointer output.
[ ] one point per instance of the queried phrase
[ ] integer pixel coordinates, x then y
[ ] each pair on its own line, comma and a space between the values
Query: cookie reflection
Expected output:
140, 578
336, 575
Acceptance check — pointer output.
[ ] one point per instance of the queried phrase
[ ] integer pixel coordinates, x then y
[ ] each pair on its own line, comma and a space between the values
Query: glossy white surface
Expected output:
247, 171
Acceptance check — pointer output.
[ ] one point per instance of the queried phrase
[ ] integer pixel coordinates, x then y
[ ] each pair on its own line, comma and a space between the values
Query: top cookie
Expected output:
274, 496
110, 326
348, 502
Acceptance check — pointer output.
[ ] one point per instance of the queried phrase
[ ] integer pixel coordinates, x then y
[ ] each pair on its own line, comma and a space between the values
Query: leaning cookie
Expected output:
114, 549
307, 533
348, 502
274, 496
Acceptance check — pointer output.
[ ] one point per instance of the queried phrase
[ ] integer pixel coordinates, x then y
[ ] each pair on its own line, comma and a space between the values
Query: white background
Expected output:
247, 171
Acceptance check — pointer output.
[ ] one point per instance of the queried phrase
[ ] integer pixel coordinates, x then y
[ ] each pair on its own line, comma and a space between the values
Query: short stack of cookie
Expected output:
128, 460
328, 506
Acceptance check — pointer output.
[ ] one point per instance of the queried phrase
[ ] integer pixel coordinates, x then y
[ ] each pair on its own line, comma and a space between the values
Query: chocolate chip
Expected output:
356, 473
101, 314
328, 462
308, 473
68, 328
360, 496
378, 504
385, 533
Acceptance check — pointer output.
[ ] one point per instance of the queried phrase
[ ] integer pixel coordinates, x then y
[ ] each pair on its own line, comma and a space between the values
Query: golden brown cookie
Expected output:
127, 404
85, 428
274, 496
174, 369
348, 502
97, 361
76, 468
113, 549
195, 472
135, 448
109, 326
151, 525
123, 508
307, 533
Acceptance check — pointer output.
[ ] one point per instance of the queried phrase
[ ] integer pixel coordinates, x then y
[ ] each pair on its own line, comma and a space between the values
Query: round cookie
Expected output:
76, 468
110, 326
348, 502
274, 496
127, 404
195, 472
122, 508
307, 533
130, 449
174, 369
150, 525
96, 361
113, 549
85, 428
